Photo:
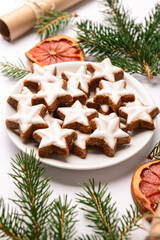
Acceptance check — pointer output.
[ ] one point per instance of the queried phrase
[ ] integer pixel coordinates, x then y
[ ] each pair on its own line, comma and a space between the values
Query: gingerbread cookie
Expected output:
79, 146
107, 134
102, 108
75, 92
54, 139
52, 95
104, 70
77, 117
80, 76
41, 74
27, 119
23, 97
138, 115
113, 94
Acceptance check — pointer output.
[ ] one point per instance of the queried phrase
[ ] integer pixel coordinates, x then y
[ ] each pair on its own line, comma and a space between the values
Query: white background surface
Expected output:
67, 181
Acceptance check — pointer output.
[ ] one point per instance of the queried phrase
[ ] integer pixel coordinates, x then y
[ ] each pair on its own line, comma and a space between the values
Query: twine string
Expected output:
38, 6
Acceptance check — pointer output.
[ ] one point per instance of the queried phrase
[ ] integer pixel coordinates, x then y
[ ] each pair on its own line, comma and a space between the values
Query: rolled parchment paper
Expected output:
19, 21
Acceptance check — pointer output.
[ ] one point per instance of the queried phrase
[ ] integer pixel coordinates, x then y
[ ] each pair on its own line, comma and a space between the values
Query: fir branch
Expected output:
155, 153
13, 70
129, 222
53, 22
103, 214
40, 220
63, 219
34, 193
131, 46
88, 237
11, 224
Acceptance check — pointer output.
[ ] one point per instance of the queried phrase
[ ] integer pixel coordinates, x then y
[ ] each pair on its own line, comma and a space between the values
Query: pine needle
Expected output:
53, 22
13, 70
155, 153
129, 45
41, 219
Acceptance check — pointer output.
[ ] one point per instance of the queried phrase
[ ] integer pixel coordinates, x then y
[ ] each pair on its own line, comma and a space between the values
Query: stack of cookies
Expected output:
77, 110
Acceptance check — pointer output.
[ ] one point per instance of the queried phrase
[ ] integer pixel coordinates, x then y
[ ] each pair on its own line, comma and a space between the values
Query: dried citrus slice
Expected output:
55, 49
145, 186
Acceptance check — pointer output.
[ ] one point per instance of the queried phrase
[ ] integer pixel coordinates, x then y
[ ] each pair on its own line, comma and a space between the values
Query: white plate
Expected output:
95, 158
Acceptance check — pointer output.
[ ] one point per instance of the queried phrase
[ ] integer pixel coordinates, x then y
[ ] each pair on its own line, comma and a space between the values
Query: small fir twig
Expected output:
103, 214
155, 153
53, 22
14, 70
129, 45
37, 216
63, 216
40, 220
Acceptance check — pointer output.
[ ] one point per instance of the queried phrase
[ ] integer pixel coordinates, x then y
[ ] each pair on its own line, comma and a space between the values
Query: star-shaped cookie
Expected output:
107, 134
79, 146
27, 119
79, 76
41, 74
113, 94
138, 114
23, 97
102, 108
77, 117
54, 139
52, 95
75, 92
104, 70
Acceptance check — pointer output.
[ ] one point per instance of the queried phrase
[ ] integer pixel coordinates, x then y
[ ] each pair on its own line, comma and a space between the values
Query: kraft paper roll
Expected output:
19, 21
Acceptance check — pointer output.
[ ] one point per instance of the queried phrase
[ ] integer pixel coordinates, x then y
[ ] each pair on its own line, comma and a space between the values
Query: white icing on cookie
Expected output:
81, 77
105, 70
76, 113
137, 111
114, 90
73, 90
81, 140
51, 91
54, 135
102, 107
43, 74
26, 116
108, 129
23, 97
49, 119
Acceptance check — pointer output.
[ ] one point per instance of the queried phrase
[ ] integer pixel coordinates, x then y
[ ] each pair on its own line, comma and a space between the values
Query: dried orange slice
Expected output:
145, 186
55, 49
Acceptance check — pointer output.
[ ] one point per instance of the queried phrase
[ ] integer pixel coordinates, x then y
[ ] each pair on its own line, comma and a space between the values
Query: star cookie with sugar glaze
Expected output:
104, 70
52, 95
107, 134
113, 94
41, 74
75, 92
77, 117
54, 139
79, 146
23, 97
79, 76
102, 108
138, 115
27, 119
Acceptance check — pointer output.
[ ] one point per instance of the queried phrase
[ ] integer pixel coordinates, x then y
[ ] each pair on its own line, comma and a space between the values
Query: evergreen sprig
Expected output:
155, 153
53, 22
38, 218
130, 45
103, 214
13, 70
